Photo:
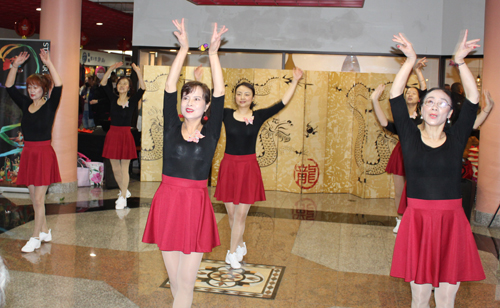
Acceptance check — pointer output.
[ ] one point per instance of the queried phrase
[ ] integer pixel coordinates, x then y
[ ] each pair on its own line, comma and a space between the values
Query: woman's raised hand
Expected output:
488, 101
404, 45
20, 59
216, 39
136, 69
181, 34
45, 56
464, 48
297, 73
115, 66
378, 92
421, 63
198, 73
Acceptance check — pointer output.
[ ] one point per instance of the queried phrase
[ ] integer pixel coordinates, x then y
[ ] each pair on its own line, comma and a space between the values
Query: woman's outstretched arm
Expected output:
45, 56
297, 75
379, 113
137, 70
418, 71
175, 69
217, 76
18, 61
104, 80
404, 72
468, 80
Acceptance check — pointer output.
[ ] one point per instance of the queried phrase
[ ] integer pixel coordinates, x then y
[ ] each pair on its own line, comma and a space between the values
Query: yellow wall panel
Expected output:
290, 138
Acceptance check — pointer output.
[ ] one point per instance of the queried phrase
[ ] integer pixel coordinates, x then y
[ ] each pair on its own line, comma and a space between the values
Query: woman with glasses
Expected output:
435, 246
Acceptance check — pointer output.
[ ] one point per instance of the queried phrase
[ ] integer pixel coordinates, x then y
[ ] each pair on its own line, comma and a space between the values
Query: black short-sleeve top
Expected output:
433, 173
37, 126
122, 116
189, 160
240, 137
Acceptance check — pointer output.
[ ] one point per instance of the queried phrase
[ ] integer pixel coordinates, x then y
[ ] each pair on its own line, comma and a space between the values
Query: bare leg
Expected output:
117, 172
445, 294
420, 295
399, 184
238, 225
187, 271
37, 194
125, 176
230, 213
171, 260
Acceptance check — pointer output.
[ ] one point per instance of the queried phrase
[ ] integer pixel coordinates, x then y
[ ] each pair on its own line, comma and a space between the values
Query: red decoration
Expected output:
124, 45
84, 39
24, 28
205, 118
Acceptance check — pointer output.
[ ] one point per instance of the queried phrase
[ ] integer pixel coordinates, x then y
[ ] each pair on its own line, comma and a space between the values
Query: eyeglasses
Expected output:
440, 104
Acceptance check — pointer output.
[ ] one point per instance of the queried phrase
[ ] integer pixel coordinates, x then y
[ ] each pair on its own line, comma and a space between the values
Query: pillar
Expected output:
60, 23
488, 189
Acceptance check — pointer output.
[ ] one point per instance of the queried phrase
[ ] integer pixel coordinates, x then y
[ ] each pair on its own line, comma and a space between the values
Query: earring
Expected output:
181, 116
205, 118
448, 121
421, 117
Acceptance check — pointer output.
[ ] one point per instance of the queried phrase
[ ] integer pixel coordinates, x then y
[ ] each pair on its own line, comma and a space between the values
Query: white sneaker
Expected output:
31, 245
398, 221
121, 203
46, 237
241, 252
120, 194
232, 260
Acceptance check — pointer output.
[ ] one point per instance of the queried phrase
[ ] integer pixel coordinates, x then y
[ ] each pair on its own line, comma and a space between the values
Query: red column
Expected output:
488, 190
60, 23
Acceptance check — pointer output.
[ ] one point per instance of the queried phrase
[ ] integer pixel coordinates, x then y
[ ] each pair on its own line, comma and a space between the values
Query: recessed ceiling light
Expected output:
173, 50
99, 23
39, 9
92, 254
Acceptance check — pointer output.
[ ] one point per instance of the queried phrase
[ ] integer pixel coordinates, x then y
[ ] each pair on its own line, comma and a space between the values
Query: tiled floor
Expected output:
336, 251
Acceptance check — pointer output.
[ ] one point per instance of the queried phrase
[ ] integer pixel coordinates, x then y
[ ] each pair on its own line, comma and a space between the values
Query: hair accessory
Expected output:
248, 120
205, 118
196, 138
181, 116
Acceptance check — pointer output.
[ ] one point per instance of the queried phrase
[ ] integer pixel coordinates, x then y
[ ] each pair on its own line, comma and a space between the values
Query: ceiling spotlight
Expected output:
173, 50
99, 23
39, 9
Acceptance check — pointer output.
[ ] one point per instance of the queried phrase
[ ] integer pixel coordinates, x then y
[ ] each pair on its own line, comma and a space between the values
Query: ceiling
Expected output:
116, 24
310, 3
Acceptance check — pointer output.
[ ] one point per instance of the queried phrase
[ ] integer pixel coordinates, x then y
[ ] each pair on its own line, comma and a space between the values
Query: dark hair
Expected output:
41, 80
129, 93
456, 87
251, 87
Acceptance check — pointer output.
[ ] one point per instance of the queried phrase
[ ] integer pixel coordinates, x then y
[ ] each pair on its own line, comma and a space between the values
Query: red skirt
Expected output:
181, 217
38, 165
119, 143
435, 244
240, 180
395, 164
403, 203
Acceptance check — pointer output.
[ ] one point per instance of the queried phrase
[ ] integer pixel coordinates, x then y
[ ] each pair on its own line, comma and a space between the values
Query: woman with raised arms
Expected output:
181, 220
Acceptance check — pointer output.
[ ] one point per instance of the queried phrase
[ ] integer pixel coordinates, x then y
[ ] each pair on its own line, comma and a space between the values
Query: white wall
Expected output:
7, 33
432, 25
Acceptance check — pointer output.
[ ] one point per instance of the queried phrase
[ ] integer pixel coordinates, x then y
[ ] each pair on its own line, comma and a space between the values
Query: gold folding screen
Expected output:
326, 140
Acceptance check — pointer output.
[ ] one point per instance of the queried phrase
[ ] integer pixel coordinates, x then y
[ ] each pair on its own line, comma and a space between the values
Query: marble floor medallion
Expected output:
251, 280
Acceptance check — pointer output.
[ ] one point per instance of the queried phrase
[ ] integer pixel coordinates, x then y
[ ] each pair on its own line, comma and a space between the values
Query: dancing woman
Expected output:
38, 167
119, 145
181, 220
435, 246
395, 164
239, 183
